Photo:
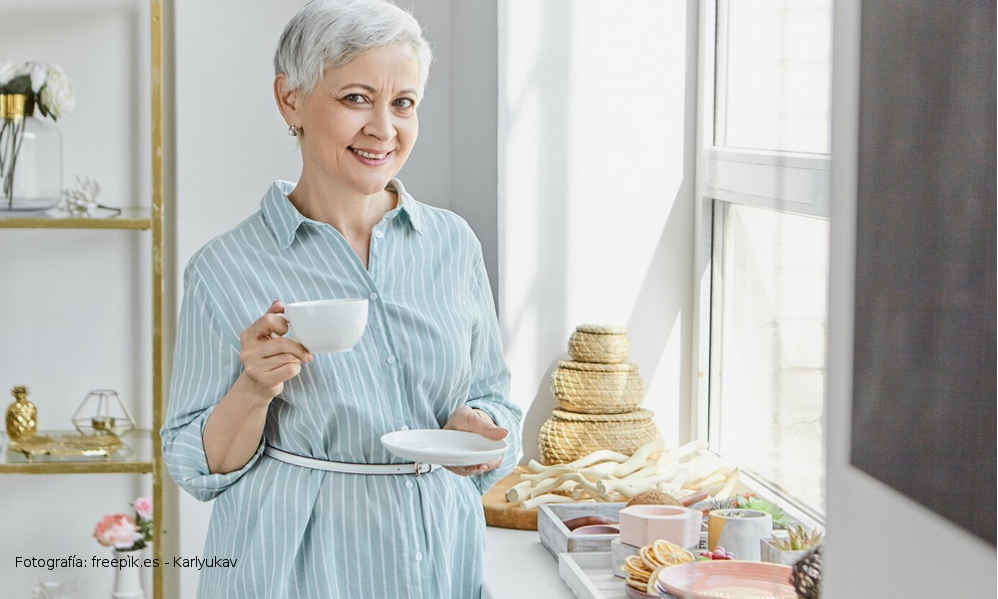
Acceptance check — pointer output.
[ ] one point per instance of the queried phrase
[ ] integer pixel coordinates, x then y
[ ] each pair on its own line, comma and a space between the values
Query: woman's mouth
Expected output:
370, 159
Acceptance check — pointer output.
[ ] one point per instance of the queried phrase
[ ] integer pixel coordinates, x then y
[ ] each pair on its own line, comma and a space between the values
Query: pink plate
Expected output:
727, 579
633, 593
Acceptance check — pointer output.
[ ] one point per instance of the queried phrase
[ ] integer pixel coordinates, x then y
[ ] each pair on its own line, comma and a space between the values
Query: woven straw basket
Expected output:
566, 436
593, 343
592, 388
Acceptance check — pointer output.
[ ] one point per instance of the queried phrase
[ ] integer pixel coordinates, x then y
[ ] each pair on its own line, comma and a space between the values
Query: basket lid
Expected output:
601, 329
597, 366
634, 416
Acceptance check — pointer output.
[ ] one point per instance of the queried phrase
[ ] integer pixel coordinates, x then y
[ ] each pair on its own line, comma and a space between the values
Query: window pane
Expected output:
774, 74
772, 362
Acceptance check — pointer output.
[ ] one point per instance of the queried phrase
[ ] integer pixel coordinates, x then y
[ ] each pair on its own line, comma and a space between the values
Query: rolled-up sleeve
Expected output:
489, 390
205, 366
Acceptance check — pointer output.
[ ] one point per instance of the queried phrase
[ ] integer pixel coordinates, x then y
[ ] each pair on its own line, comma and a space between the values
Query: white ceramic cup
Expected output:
333, 325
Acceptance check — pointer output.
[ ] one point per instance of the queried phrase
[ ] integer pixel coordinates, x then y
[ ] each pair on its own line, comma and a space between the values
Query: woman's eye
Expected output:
349, 99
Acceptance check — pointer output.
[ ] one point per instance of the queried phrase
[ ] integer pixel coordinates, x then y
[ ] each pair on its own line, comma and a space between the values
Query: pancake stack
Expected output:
598, 393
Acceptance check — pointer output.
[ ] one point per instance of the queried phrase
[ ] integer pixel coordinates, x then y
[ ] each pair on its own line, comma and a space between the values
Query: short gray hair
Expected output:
331, 33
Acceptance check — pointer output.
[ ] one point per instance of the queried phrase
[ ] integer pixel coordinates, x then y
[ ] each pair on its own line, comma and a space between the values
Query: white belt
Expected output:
416, 468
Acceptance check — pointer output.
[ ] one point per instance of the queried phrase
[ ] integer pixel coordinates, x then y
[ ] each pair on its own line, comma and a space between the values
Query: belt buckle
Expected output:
419, 468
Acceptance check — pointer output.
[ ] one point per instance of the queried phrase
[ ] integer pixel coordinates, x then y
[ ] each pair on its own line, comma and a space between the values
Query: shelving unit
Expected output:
147, 457
139, 459
132, 217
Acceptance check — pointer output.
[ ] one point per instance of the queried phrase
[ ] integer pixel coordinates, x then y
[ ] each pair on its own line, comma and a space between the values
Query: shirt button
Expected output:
374, 296
379, 233
419, 556
390, 359
408, 483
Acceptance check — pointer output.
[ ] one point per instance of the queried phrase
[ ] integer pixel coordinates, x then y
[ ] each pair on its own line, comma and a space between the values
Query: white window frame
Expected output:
766, 179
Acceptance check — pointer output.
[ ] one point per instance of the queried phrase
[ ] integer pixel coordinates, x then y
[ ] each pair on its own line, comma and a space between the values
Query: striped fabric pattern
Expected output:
432, 343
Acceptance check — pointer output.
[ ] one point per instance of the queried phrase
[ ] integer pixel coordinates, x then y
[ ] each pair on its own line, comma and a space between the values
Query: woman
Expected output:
349, 76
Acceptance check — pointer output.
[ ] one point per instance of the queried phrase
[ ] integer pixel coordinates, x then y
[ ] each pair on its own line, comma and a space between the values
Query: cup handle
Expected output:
289, 334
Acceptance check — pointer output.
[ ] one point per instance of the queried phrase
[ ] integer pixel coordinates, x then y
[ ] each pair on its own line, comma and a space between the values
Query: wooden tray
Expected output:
503, 514
556, 537
590, 576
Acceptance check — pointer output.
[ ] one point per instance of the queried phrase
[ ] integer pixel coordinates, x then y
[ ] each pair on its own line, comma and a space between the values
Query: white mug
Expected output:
333, 325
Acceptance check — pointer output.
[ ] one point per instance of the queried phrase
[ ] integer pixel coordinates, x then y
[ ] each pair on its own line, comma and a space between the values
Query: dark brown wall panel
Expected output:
923, 417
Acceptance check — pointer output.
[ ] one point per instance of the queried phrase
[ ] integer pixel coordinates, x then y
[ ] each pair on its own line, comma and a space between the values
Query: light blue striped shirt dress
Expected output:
432, 343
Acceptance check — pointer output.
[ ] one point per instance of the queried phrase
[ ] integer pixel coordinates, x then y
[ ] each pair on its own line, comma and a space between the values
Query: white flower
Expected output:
57, 95
8, 70
38, 74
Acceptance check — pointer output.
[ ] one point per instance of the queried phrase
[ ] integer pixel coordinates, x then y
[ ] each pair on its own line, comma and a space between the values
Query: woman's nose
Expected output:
380, 125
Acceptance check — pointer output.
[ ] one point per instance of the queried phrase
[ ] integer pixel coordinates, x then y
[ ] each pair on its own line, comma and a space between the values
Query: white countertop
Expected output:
517, 566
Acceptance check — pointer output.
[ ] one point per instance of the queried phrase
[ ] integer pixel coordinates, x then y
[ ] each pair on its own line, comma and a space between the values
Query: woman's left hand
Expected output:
477, 421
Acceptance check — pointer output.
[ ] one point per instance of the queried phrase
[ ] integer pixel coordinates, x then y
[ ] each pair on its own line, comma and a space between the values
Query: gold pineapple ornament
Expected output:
22, 415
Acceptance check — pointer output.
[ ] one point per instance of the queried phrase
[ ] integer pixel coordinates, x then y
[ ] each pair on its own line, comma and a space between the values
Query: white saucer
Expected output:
444, 447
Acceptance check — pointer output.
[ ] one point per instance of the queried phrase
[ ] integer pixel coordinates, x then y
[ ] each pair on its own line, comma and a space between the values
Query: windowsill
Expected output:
798, 511
518, 566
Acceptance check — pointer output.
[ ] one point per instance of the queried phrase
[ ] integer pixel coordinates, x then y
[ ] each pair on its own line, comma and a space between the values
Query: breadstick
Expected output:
601, 470
627, 487
639, 459
549, 498
719, 474
518, 492
729, 487
550, 483
596, 456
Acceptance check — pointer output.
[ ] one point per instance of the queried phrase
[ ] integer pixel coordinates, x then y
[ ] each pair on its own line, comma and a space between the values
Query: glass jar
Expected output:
30, 157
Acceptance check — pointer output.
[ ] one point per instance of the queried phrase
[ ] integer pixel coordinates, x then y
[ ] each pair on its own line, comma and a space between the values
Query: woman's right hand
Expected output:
269, 361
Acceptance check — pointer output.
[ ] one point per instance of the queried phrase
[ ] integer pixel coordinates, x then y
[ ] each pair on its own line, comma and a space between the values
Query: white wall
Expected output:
77, 304
880, 543
596, 172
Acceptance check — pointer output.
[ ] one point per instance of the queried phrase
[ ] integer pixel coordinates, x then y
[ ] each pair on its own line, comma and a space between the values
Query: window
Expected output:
774, 59
771, 358
762, 240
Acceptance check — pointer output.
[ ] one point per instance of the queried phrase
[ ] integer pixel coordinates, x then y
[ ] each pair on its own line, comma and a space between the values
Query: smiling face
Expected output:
341, 115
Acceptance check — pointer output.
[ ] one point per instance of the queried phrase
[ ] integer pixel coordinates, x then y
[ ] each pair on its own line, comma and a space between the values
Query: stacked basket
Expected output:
598, 394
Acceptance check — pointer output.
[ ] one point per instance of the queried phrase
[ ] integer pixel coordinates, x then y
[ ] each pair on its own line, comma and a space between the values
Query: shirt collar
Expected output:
283, 217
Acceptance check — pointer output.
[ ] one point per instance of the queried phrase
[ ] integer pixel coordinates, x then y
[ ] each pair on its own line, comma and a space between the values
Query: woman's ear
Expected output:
287, 101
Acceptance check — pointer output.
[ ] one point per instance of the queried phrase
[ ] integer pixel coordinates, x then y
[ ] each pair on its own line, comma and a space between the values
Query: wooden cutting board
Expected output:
502, 514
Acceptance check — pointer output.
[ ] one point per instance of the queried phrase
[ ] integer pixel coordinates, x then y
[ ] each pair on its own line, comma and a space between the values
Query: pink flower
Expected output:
118, 530
143, 507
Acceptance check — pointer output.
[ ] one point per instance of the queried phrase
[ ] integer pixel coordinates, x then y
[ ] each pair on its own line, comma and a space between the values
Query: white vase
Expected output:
739, 531
772, 553
128, 578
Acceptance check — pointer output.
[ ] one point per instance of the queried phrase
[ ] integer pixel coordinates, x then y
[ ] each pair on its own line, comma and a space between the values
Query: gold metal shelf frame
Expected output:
131, 217
137, 459
135, 218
